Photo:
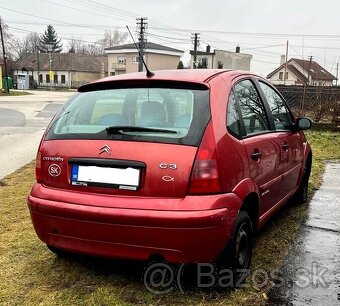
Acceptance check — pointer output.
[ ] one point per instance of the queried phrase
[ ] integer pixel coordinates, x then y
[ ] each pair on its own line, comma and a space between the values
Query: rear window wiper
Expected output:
121, 129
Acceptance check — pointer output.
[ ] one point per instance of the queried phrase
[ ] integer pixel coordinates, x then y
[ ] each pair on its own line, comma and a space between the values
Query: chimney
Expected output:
282, 59
208, 49
238, 49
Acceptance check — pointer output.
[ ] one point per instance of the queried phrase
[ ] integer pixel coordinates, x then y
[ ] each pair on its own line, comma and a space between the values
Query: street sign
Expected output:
51, 75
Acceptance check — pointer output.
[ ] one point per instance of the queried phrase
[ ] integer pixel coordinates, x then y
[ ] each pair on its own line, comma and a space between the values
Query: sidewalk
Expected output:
23, 120
311, 272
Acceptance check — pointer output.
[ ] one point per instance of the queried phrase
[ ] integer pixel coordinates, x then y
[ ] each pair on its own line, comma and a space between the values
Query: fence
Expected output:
317, 102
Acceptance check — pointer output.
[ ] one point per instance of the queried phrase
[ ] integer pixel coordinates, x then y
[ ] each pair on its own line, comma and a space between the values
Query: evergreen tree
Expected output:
50, 37
180, 65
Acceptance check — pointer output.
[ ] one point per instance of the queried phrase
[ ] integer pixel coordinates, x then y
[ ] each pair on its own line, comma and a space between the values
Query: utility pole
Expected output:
4, 55
141, 26
38, 68
50, 50
302, 108
195, 37
309, 67
284, 77
337, 73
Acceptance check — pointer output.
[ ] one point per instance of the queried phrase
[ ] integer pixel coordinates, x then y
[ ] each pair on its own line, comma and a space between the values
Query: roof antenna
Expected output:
149, 73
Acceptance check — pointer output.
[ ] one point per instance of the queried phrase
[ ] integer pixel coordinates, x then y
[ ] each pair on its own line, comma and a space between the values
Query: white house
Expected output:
221, 59
300, 72
69, 69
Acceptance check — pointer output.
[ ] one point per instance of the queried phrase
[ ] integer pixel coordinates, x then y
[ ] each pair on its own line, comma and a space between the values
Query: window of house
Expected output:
252, 109
121, 60
55, 79
281, 75
135, 59
287, 75
47, 78
112, 73
40, 78
63, 79
203, 62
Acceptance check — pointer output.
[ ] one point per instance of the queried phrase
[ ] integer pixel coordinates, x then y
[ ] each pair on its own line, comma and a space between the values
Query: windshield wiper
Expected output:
122, 129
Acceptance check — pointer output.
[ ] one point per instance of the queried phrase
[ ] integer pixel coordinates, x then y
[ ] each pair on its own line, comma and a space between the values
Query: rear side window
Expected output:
252, 110
233, 118
279, 110
169, 115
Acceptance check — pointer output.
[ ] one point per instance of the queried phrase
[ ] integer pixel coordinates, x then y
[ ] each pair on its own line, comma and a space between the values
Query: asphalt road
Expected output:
311, 273
23, 120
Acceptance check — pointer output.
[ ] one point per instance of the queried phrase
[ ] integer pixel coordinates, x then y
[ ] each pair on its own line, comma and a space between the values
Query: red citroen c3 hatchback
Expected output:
184, 164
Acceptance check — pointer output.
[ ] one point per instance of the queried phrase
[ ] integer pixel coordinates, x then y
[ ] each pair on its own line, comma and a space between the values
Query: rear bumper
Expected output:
178, 236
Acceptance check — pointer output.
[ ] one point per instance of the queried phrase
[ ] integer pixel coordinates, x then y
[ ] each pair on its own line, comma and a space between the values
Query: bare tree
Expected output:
76, 45
113, 38
28, 44
8, 41
94, 49
31, 42
321, 104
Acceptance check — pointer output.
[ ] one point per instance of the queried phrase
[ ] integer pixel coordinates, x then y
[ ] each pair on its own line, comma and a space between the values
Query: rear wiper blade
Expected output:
121, 129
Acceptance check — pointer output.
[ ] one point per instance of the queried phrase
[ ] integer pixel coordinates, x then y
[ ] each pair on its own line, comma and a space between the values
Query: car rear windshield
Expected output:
166, 115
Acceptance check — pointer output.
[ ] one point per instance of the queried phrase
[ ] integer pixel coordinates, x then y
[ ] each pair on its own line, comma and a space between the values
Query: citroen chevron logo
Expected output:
105, 148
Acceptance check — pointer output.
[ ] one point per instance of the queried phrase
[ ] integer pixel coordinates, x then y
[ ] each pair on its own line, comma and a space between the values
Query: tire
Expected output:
238, 253
301, 195
56, 251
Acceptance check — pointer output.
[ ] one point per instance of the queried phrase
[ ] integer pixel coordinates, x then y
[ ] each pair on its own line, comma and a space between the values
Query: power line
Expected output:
78, 9
49, 19
60, 36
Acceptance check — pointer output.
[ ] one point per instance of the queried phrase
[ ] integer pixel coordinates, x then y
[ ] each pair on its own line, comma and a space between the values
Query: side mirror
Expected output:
302, 124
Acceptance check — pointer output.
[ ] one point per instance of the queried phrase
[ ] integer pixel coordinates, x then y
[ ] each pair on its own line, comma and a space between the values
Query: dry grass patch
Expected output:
32, 275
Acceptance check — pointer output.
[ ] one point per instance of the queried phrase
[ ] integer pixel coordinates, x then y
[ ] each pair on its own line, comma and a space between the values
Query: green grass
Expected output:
14, 93
32, 275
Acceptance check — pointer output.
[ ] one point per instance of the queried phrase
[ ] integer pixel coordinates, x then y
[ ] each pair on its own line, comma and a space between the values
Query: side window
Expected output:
281, 115
252, 110
233, 118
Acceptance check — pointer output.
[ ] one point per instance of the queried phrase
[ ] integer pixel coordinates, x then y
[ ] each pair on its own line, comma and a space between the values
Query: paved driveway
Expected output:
23, 120
311, 273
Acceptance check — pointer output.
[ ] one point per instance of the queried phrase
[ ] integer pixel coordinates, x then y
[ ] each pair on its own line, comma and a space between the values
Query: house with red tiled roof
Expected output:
300, 72
69, 69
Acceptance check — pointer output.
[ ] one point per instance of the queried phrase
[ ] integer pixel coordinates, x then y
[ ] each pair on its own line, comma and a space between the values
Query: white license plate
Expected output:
127, 178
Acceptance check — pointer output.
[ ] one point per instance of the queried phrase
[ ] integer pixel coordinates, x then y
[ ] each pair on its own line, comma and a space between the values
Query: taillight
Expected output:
204, 177
38, 171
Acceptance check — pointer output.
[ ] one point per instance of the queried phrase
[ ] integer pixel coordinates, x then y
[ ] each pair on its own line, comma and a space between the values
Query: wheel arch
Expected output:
251, 205
248, 192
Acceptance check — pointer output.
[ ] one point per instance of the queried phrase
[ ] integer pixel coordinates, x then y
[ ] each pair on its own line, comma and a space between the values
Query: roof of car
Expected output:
180, 75
189, 75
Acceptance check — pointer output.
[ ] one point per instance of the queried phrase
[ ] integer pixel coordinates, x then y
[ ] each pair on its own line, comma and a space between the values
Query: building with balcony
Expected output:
125, 58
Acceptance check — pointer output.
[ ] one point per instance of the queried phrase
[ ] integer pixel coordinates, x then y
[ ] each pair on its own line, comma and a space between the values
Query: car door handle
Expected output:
285, 146
256, 155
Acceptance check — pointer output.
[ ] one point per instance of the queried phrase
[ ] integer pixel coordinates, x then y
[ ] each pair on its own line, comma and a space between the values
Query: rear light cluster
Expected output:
204, 176
38, 171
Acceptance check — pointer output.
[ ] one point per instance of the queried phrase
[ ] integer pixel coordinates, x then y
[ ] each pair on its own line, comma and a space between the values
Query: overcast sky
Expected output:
261, 28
